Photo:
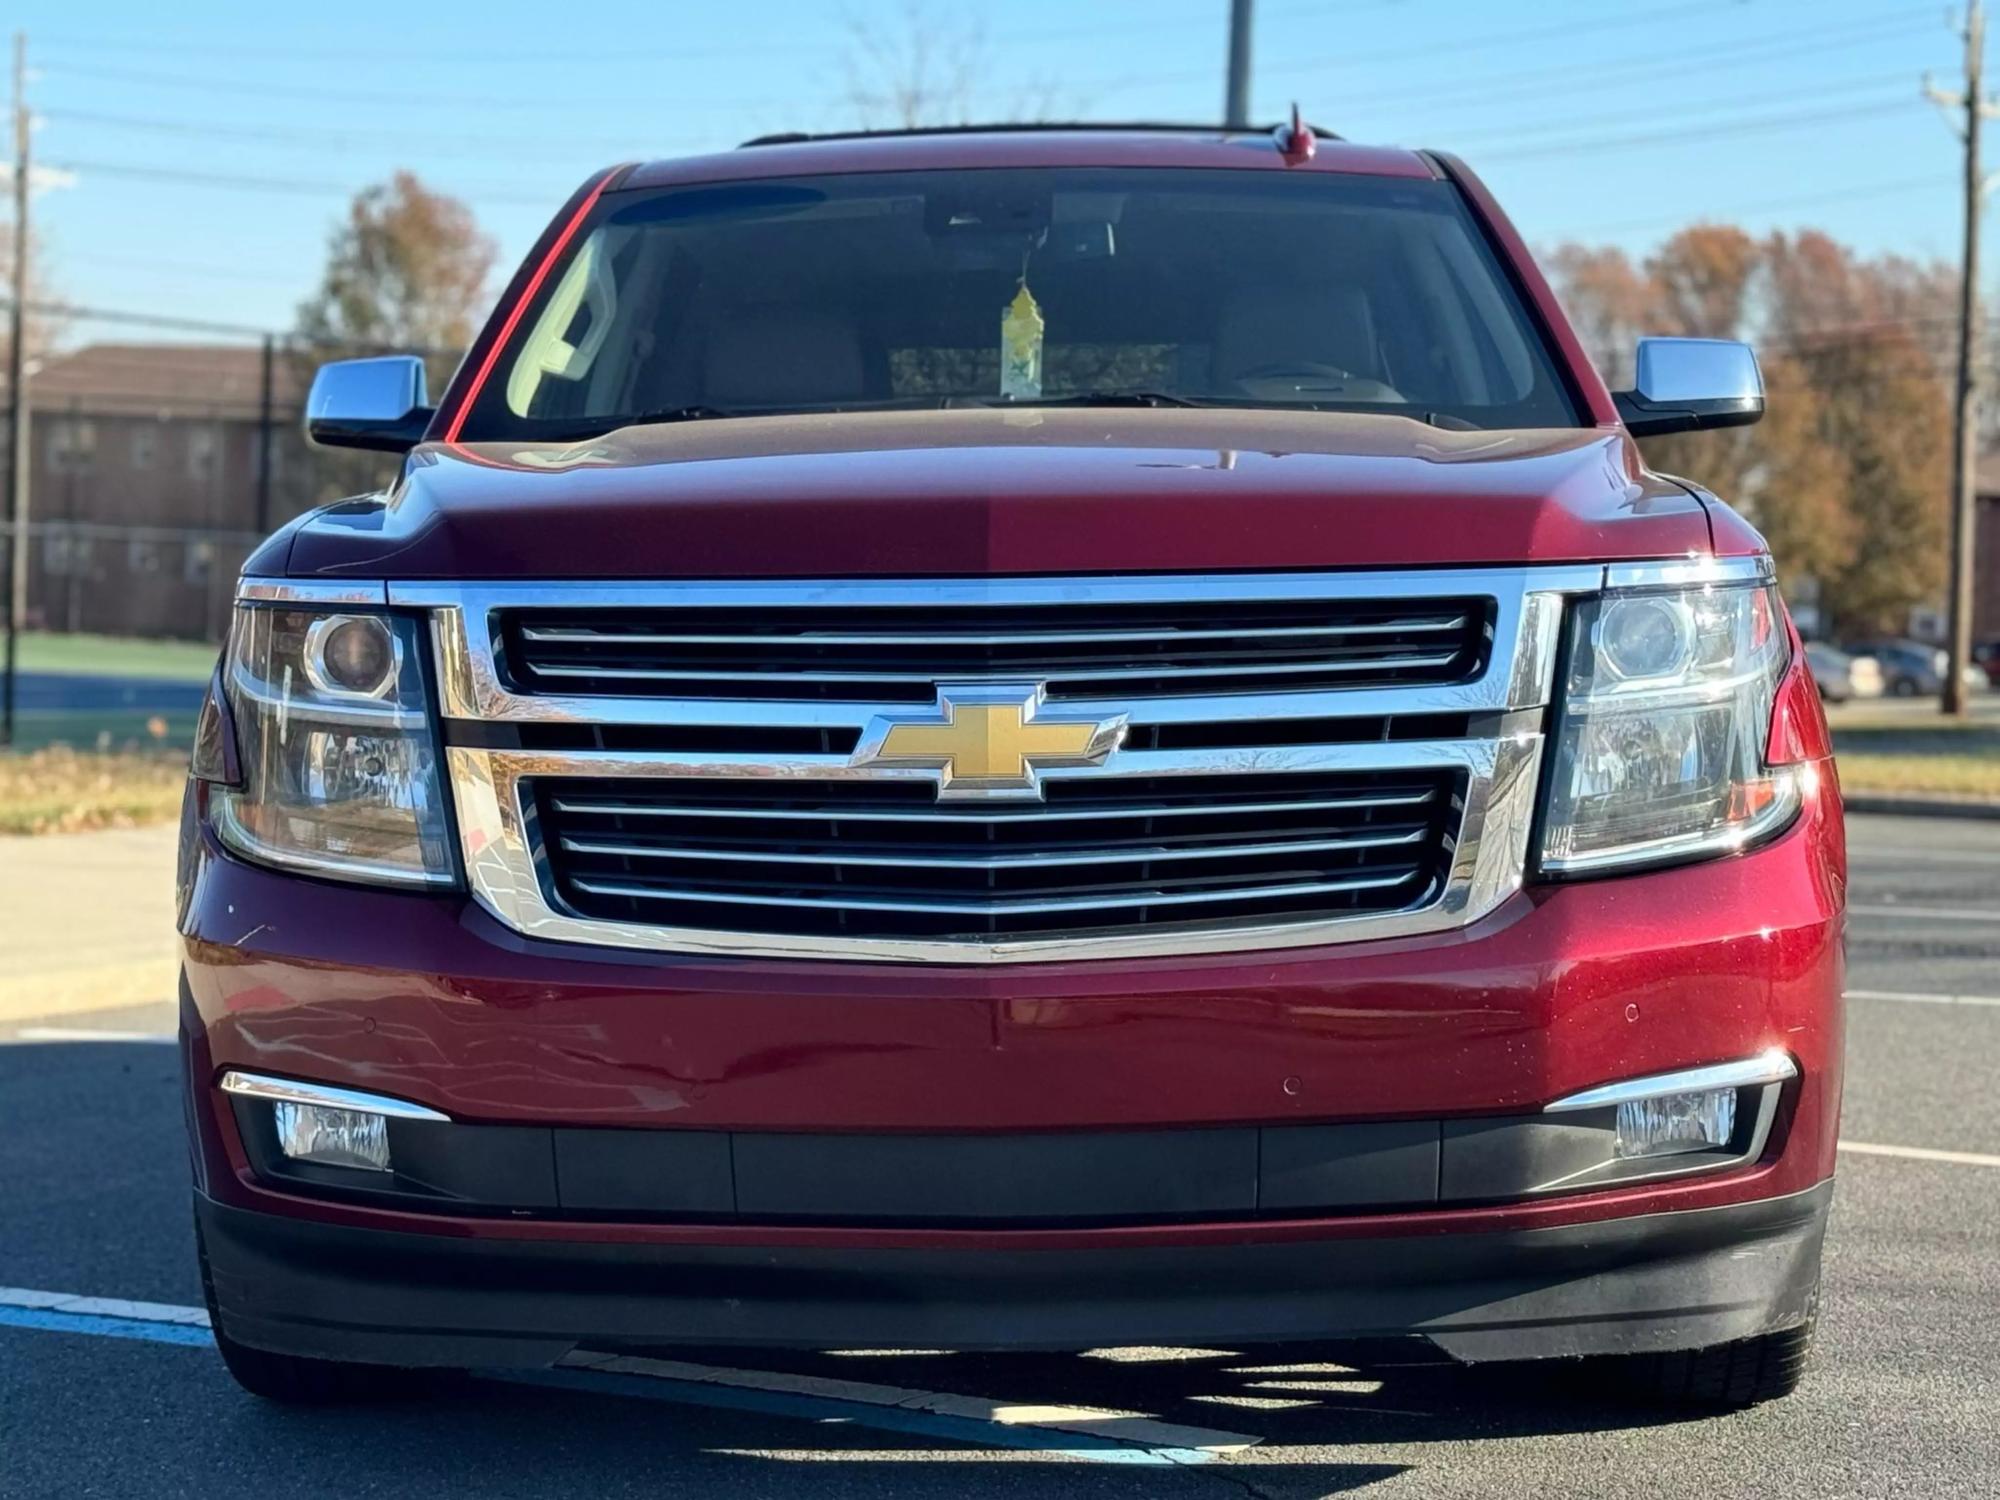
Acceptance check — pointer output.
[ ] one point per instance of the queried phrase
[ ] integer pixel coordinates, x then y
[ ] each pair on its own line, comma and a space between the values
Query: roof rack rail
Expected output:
794, 137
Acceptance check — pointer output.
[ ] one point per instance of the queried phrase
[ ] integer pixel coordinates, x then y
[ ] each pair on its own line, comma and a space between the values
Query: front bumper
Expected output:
1655, 1282
1566, 987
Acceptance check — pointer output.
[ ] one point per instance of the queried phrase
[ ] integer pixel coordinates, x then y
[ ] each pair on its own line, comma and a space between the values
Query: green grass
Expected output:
116, 656
1882, 749
1976, 776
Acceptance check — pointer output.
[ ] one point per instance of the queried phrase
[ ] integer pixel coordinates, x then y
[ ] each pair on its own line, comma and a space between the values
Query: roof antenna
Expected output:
1297, 141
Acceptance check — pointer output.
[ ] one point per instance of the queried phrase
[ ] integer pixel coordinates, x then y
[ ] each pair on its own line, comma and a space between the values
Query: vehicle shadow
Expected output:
1321, 1422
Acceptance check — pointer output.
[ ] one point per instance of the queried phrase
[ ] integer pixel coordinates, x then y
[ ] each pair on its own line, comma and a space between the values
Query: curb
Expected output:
1920, 807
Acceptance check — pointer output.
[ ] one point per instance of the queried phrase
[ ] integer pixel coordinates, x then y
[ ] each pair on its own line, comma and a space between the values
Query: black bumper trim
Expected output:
1003, 1179
1676, 1280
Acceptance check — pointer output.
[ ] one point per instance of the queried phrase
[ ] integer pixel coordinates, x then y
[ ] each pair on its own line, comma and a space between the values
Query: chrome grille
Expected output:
1265, 718
1078, 651
857, 860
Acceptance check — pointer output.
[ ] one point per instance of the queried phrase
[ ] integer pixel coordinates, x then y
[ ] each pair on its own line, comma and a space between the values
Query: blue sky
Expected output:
213, 145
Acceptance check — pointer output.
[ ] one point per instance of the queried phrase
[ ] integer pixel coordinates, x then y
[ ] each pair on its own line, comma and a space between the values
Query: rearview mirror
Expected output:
380, 404
1692, 385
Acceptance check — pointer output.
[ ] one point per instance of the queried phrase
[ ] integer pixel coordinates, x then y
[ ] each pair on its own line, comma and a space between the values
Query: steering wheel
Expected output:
1300, 371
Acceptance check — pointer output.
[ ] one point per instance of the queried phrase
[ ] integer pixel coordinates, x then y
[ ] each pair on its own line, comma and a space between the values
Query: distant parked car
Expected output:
1986, 656
1911, 669
1841, 677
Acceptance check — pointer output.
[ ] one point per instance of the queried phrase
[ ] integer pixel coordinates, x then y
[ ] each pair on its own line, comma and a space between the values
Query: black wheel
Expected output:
298, 1381
312, 1382
1728, 1376
1903, 687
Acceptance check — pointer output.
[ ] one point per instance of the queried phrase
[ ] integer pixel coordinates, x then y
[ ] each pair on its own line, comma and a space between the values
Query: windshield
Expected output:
1042, 286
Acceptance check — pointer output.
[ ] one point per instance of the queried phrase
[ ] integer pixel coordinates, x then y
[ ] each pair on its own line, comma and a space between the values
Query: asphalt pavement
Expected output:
1902, 1398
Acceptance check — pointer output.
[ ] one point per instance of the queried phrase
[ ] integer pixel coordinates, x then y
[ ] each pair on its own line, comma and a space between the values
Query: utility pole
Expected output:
17, 399
264, 430
1236, 104
1977, 109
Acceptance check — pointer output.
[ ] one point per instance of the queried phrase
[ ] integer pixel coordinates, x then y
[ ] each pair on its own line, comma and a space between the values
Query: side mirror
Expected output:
1692, 385
369, 403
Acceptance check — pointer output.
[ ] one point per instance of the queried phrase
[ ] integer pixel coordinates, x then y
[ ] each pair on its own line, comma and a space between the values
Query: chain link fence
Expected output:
160, 454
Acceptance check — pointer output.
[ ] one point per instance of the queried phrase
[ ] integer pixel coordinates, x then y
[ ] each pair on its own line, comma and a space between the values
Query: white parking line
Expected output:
103, 1307
85, 1034
1929, 913
1922, 1153
1057, 1431
1889, 852
1924, 997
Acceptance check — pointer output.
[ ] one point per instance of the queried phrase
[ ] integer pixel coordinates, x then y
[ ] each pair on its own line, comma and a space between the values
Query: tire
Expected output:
298, 1381
1903, 687
1726, 1377
295, 1381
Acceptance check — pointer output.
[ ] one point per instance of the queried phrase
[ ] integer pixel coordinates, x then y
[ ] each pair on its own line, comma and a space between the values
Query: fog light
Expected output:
1669, 1124
332, 1137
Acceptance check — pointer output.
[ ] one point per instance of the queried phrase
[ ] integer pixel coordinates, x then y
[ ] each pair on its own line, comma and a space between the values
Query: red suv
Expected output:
1017, 739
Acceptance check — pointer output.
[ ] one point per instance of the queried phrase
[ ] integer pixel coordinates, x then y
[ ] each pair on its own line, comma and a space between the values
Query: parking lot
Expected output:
113, 1398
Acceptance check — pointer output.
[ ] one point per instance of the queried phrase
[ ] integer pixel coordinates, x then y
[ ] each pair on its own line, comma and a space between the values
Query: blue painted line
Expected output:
106, 1328
693, 1393
889, 1418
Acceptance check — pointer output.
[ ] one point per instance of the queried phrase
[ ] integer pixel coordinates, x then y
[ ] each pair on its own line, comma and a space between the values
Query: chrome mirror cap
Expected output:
369, 403
1690, 385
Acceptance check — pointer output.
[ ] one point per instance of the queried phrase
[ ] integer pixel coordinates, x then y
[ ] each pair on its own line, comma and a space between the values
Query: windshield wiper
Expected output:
1091, 398
578, 432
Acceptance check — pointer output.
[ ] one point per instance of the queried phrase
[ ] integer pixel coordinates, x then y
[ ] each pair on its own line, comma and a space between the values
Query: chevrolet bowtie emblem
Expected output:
988, 741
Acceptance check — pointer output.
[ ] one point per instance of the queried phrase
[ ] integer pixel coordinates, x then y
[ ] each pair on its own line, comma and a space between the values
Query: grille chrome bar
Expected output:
1526, 604
1104, 674
1106, 854
1020, 815
1004, 906
554, 635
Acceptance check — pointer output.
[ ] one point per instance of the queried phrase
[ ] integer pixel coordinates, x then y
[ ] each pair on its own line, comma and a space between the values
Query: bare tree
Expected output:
931, 65
45, 329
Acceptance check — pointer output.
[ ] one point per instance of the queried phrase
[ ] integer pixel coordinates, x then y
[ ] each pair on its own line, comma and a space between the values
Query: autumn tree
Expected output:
406, 270
406, 273
1846, 474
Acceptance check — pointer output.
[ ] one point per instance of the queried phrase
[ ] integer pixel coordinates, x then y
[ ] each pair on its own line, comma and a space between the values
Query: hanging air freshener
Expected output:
1021, 328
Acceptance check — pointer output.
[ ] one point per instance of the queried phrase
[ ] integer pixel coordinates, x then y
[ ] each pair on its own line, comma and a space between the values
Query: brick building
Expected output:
146, 482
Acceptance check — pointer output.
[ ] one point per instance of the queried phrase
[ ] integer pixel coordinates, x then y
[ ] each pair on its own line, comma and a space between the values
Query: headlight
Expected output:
1665, 718
339, 764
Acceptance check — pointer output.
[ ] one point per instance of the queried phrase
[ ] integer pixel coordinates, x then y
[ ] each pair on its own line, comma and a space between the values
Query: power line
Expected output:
339, 138
1481, 91
1445, 46
171, 268
1796, 200
403, 99
1200, 16
1596, 141
1694, 134
330, 138
312, 187
1699, 105
186, 325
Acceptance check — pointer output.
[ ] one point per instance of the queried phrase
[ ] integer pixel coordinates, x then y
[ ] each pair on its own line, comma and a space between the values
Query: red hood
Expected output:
995, 491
